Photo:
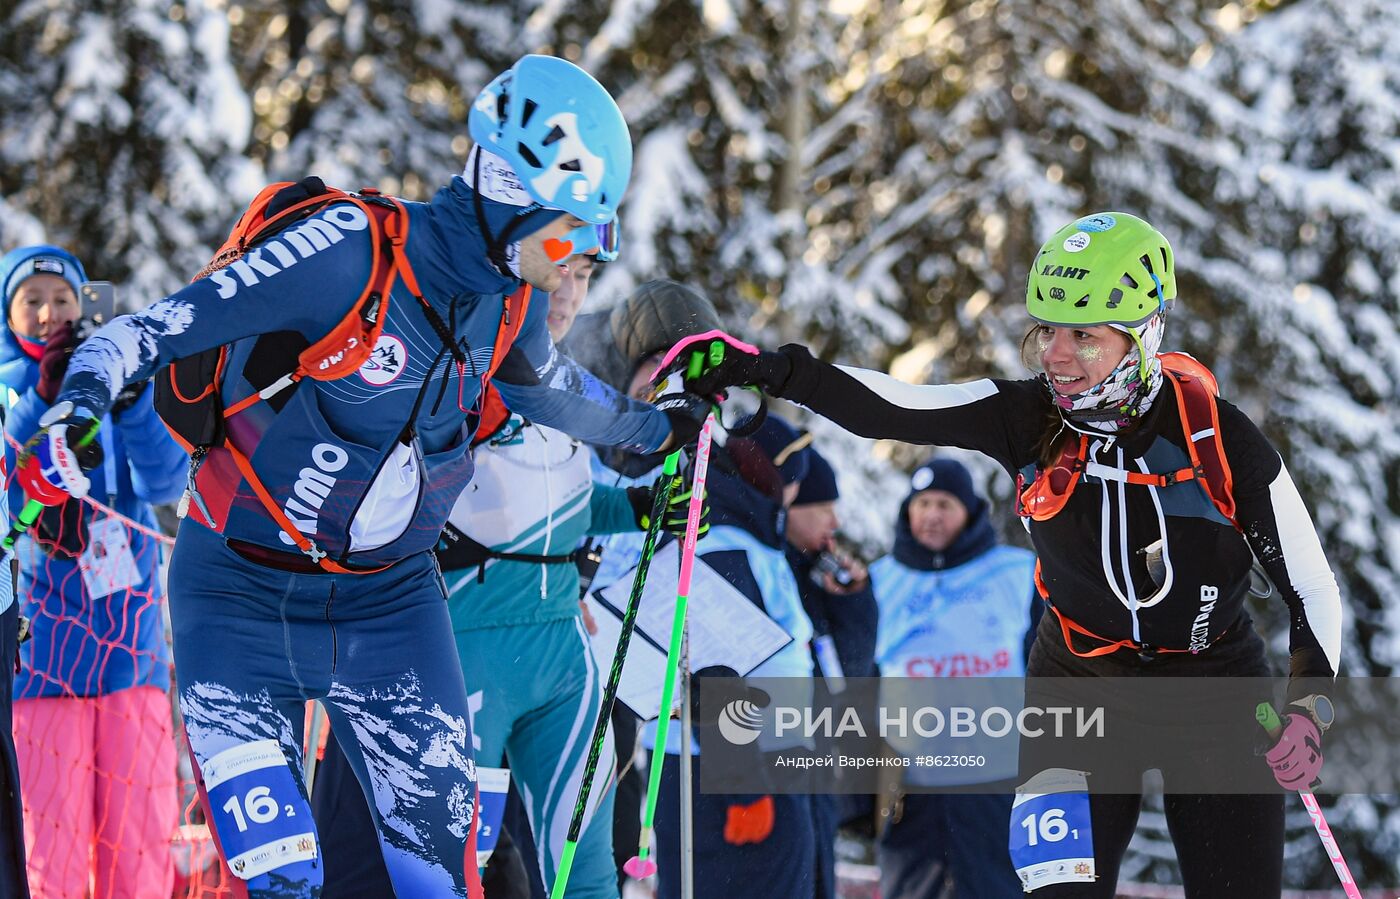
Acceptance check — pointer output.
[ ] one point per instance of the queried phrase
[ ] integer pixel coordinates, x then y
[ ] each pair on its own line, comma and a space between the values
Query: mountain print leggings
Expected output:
253, 644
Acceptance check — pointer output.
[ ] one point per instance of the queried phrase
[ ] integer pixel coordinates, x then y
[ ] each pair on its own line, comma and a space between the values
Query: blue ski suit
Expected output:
368, 467
85, 644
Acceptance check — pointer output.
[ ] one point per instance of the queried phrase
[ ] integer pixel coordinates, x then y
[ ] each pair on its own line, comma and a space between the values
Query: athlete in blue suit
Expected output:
368, 467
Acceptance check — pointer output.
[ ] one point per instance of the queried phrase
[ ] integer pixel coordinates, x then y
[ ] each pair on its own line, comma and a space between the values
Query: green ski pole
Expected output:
624, 638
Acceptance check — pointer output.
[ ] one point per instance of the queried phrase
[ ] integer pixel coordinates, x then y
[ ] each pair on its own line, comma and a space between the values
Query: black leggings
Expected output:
1228, 845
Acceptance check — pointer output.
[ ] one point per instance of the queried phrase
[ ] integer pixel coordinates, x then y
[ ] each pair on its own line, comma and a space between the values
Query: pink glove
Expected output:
1297, 756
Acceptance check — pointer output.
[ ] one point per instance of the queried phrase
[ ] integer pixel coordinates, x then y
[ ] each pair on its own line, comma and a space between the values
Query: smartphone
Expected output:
98, 302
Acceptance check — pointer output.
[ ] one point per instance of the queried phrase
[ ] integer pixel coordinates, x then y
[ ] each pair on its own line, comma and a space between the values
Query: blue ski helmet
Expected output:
562, 133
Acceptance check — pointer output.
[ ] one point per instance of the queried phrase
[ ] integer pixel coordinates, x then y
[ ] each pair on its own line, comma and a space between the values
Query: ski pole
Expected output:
687, 803
1268, 718
640, 866
33, 508
624, 638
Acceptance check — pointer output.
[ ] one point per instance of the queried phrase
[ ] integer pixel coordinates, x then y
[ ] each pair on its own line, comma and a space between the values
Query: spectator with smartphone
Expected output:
91, 707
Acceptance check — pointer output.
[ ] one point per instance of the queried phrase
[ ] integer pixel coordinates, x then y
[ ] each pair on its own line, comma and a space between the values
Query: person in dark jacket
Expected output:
751, 844
837, 596
953, 603
1145, 554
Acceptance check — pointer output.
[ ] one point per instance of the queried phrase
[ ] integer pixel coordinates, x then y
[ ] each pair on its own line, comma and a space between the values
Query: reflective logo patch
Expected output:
386, 362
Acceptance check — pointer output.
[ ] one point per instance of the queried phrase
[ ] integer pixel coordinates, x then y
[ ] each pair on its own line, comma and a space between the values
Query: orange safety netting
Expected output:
109, 797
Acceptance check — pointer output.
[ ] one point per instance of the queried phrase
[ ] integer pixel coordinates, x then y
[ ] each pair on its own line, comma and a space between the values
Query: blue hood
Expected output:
460, 202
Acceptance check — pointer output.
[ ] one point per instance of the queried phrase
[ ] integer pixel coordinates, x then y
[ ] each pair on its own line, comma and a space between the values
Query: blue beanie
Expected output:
819, 486
19, 265
785, 447
950, 477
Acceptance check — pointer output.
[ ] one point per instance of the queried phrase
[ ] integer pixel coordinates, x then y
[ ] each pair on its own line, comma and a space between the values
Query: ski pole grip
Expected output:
716, 352
1268, 719
33, 508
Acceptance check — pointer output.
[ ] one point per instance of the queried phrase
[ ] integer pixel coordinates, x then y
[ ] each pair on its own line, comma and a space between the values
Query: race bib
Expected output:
1051, 840
107, 563
492, 784
262, 819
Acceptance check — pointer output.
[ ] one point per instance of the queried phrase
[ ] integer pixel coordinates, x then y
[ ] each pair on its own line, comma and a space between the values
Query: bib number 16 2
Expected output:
257, 806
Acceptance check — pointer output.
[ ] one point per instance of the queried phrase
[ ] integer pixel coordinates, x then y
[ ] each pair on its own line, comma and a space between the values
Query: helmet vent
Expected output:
572, 165
1128, 281
1083, 301
555, 134
528, 155
527, 113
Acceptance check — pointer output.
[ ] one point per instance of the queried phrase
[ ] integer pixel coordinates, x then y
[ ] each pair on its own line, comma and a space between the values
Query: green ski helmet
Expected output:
1109, 268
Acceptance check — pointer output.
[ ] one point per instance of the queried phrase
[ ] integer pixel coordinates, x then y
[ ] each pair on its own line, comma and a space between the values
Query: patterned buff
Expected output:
497, 181
1125, 394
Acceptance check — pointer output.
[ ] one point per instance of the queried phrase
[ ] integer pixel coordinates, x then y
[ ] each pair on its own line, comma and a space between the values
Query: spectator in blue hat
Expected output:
91, 707
953, 603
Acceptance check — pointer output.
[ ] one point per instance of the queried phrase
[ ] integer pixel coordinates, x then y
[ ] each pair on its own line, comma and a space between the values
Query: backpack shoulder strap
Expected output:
491, 408
1196, 392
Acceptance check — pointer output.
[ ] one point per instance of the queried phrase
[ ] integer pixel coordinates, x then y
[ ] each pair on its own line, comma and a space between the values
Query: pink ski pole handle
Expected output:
690, 342
697, 506
1269, 720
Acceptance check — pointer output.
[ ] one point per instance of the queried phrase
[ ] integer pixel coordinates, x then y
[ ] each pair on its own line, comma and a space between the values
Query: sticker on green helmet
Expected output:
1110, 268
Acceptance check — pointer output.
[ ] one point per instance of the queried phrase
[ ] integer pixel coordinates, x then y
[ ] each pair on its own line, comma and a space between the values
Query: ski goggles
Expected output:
605, 239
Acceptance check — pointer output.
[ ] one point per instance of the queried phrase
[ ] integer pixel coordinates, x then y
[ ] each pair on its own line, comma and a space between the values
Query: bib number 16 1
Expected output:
1050, 826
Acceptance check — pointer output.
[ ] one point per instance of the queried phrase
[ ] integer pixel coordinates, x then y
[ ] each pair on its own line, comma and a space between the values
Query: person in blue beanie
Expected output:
306, 570
953, 603
92, 710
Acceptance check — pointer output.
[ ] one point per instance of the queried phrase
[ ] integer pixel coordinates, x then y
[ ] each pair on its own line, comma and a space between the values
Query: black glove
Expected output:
767, 371
686, 412
676, 513
53, 364
739, 366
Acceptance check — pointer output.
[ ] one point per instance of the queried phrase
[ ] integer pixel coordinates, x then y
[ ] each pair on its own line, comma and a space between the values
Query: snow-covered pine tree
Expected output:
362, 92
122, 129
